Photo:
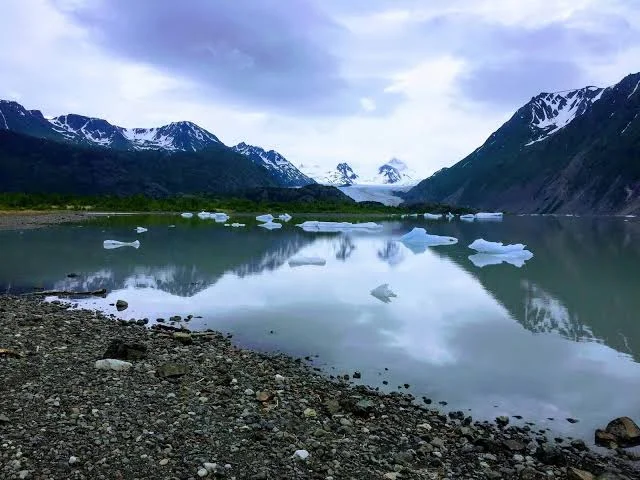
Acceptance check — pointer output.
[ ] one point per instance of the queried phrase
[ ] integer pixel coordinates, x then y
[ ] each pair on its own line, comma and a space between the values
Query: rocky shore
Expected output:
86, 397
16, 220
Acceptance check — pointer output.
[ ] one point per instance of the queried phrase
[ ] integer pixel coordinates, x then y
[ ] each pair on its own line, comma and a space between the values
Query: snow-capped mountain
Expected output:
342, 175
176, 136
394, 172
574, 151
279, 167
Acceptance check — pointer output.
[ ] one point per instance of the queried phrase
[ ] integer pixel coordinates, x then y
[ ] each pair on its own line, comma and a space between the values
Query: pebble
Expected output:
249, 392
73, 460
164, 461
301, 454
202, 472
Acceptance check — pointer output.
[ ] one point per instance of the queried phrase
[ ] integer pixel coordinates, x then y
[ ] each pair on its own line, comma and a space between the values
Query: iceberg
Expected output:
420, 237
516, 258
236, 225
483, 246
485, 215
270, 225
469, 217
383, 293
450, 216
265, 218
432, 216
315, 226
285, 217
111, 244
220, 217
300, 261
186, 215
141, 230
204, 215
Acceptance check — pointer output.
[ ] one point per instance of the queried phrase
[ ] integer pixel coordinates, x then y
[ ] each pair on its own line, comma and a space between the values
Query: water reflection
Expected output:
551, 339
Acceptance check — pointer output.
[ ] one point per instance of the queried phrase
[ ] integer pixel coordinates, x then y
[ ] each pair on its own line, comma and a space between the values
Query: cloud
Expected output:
258, 53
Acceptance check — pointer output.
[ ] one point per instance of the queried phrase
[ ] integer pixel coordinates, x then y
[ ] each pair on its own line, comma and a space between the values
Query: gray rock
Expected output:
121, 305
121, 350
171, 370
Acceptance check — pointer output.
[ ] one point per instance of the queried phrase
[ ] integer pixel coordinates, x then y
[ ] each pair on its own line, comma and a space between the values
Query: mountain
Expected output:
285, 173
40, 165
567, 152
87, 131
342, 175
394, 172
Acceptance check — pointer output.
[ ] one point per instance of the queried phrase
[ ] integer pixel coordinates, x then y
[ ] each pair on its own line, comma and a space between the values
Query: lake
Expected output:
556, 338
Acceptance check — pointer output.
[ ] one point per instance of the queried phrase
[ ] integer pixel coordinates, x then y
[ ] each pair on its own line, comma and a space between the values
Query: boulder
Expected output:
550, 455
575, 474
171, 370
625, 431
605, 439
121, 305
120, 350
182, 337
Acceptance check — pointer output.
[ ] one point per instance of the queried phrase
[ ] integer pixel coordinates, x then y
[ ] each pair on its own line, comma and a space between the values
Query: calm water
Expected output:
559, 337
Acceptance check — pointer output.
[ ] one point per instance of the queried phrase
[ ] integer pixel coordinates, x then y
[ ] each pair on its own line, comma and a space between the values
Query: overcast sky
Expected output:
321, 81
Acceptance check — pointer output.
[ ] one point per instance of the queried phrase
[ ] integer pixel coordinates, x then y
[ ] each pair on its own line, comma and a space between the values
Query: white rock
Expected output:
210, 466
164, 461
112, 364
301, 454
249, 392
203, 472
22, 474
73, 460
279, 378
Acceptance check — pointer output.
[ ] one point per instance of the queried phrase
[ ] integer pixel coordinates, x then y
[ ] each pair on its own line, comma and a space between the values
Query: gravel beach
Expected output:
182, 405
16, 220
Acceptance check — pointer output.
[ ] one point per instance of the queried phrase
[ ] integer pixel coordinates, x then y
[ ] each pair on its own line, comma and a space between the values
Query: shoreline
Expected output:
196, 400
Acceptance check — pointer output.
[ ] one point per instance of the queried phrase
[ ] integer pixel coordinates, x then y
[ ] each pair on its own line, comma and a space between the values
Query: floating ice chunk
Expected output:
483, 246
450, 216
419, 236
300, 261
265, 218
469, 217
516, 258
220, 217
172, 226
432, 216
414, 215
485, 215
383, 293
111, 244
113, 364
141, 230
236, 225
186, 215
315, 226
285, 217
204, 215
227, 225
270, 225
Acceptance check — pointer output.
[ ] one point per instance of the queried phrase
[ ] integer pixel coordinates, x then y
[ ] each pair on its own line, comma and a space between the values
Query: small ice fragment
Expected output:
285, 217
483, 246
112, 364
236, 225
419, 236
383, 293
432, 216
220, 217
172, 226
300, 261
204, 215
186, 215
450, 216
316, 226
301, 454
488, 215
516, 258
141, 230
469, 217
270, 225
227, 225
265, 218
111, 244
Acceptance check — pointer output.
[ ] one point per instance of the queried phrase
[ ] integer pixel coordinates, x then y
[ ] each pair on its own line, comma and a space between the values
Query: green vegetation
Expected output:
190, 203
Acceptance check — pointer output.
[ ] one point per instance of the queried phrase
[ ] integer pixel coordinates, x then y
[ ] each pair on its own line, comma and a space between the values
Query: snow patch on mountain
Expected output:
341, 175
551, 112
286, 173
394, 172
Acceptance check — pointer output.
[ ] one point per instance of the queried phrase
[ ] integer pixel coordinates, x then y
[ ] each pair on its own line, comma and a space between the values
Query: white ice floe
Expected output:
270, 225
432, 216
450, 216
483, 246
300, 261
113, 364
265, 218
383, 293
315, 226
420, 237
516, 258
220, 217
186, 215
285, 217
489, 216
236, 225
227, 225
469, 217
204, 215
172, 226
111, 244
141, 230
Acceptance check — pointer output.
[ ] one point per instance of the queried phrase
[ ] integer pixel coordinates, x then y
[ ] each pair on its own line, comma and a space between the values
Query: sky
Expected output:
320, 81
